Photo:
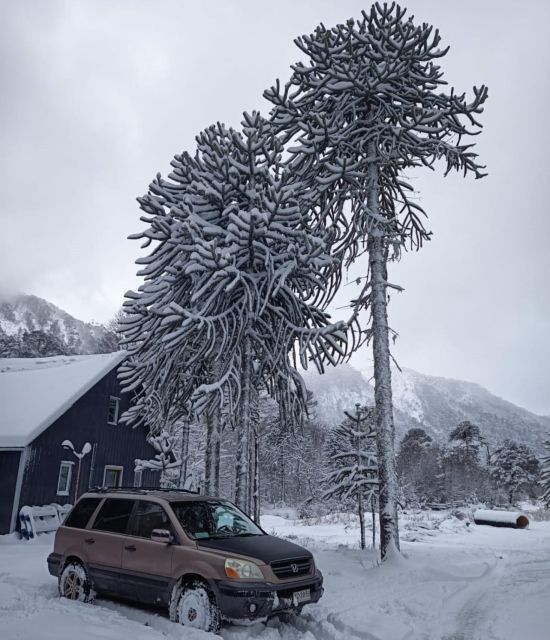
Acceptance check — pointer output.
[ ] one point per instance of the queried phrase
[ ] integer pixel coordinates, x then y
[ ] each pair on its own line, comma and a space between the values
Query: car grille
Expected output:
291, 568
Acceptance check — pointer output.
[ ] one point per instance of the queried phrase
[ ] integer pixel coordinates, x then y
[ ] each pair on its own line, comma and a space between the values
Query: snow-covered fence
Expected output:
513, 519
44, 519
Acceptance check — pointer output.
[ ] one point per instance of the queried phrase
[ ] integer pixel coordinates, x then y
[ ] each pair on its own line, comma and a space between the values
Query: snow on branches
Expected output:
513, 467
164, 459
370, 93
365, 106
545, 476
235, 287
351, 457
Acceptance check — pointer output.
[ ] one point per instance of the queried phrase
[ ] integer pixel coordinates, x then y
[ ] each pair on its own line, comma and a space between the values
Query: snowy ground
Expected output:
457, 582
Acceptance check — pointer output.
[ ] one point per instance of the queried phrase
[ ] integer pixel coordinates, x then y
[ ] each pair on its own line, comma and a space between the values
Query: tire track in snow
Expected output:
472, 600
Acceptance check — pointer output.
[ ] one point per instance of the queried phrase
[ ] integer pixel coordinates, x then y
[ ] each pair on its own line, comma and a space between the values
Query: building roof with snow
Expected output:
35, 392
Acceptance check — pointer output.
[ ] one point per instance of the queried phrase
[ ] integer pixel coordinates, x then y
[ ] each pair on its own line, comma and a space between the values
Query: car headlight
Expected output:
242, 569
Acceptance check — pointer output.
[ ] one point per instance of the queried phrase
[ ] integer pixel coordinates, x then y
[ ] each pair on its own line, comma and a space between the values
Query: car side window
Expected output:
114, 515
82, 512
147, 517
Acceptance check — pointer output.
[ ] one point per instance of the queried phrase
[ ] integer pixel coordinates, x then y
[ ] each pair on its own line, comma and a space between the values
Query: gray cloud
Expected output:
97, 97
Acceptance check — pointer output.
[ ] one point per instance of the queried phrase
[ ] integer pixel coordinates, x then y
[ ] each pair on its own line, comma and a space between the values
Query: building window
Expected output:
112, 417
138, 478
64, 479
112, 476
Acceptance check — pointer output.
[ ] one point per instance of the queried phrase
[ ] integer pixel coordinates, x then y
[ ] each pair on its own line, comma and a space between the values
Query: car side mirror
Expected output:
161, 535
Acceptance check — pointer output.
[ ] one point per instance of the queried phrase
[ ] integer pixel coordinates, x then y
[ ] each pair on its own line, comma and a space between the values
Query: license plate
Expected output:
301, 596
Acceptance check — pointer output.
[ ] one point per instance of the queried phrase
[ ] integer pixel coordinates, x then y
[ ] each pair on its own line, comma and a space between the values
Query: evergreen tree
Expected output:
545, 475
514, 467
465, 476
38, 344
10, 346
418, 469
366, 106
351, 455
164, 459
235, 288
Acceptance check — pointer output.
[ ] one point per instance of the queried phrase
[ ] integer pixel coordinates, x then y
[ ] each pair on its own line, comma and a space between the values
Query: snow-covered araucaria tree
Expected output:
514, 467
351, 454
164, 460
365, 106
235, 287
545, 476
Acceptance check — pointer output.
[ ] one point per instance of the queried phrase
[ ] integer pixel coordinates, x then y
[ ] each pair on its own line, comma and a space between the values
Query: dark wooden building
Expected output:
46, 402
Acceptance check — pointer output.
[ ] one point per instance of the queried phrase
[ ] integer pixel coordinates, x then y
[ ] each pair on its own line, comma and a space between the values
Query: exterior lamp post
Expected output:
68, 445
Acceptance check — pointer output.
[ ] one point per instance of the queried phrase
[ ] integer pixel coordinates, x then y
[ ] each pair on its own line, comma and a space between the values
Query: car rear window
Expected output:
81, 514
114, 515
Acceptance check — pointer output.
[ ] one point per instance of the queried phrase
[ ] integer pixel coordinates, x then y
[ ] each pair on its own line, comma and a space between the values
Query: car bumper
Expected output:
252, 600
54, 564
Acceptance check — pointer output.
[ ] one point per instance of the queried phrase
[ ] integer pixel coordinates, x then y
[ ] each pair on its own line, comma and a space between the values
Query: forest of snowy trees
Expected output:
250, 236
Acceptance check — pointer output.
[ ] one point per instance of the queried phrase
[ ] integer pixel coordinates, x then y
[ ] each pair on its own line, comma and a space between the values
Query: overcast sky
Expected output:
97, 96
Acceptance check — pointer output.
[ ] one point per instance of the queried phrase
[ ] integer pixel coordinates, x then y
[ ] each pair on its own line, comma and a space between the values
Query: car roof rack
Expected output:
142, 490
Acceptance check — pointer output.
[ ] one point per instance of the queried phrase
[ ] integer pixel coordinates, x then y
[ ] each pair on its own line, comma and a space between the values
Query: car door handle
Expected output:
89, 541
130, 547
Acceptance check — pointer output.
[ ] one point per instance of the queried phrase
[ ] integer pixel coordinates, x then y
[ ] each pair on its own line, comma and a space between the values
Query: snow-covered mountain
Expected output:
22, 314
435, 404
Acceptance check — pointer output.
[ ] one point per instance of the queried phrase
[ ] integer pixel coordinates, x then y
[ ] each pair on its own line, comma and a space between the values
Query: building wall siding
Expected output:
85, 421
9, 465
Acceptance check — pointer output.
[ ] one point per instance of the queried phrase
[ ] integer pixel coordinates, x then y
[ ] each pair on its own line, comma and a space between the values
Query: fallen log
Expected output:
513, 519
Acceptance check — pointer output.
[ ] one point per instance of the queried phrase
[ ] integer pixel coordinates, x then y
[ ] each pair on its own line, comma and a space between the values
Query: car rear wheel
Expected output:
196, 608
74, 583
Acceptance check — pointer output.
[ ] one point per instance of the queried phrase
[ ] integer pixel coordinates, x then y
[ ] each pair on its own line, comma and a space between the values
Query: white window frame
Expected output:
117, 406
70, 465
138, 478
112, 467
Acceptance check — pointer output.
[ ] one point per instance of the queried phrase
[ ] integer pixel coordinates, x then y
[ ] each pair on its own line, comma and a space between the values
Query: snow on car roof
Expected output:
34, 392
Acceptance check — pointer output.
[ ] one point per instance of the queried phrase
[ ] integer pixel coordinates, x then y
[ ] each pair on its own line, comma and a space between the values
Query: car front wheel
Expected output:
196, 607
74, 583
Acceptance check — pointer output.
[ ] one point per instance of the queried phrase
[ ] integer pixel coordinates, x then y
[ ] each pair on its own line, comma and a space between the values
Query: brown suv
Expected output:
201, 557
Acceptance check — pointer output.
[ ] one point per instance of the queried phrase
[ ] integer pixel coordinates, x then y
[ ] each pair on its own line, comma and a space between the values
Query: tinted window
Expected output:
114, 515
148, 516
82, 513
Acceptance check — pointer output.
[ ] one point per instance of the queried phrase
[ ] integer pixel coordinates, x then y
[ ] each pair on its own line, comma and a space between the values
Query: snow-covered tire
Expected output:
75, 584
194, 605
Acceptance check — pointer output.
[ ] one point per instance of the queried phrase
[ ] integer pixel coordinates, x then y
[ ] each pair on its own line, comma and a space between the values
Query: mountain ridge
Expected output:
22, 314
433, 403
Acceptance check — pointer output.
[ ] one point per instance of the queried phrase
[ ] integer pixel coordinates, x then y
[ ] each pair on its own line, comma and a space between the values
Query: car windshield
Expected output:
207, 520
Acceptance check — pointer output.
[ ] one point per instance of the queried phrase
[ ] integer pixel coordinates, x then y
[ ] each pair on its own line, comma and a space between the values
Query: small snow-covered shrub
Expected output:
540, 515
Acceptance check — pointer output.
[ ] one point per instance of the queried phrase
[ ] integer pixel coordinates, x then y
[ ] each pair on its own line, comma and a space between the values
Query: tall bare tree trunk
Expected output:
361, 518
373, 516
184, 453
243, 427
385, 431
217, 437
208, 455
256, 479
